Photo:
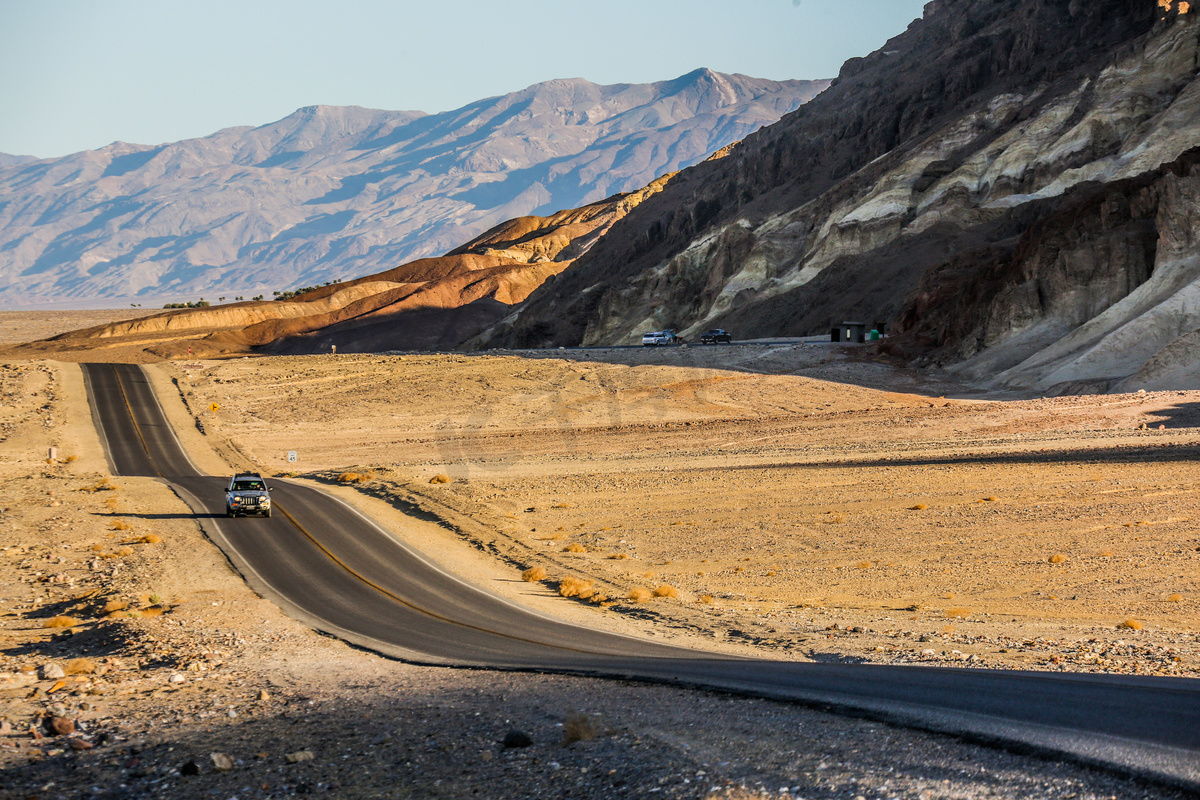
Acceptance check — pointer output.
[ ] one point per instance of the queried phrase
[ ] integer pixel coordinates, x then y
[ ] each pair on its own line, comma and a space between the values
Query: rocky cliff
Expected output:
335, 193
1009, 183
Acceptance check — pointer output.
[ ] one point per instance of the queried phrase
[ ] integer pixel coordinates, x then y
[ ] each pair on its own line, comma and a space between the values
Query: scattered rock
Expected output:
177, 678
299, 756
190, 768
51, 671
515, 738
263, 694
80, 744
59, 726
222, 762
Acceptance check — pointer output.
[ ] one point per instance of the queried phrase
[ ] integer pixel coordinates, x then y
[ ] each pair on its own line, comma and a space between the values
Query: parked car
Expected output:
248, 493
659, 338
716, 336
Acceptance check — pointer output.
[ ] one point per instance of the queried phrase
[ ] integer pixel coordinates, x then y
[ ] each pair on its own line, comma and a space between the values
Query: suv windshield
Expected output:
247, 486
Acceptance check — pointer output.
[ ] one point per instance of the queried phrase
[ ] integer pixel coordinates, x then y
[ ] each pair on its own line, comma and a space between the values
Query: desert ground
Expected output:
796, 502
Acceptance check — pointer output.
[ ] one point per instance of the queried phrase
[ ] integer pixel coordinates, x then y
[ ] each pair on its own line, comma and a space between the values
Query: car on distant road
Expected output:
659, 338
247, 493
716, 336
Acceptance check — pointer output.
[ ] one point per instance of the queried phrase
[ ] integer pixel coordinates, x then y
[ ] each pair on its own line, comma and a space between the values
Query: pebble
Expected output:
299, 756
51, 671
222, 762
60, 726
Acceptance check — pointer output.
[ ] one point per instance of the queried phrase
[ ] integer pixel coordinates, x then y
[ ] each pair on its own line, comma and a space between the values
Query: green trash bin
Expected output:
873, 336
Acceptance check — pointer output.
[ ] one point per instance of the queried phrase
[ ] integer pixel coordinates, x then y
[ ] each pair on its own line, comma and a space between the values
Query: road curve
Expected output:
336, 570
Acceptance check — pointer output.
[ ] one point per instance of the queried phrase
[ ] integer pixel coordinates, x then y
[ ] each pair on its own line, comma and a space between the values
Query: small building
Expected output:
855, 332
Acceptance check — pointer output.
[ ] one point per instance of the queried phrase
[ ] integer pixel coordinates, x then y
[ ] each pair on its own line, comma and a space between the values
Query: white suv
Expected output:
656, 338
248, 493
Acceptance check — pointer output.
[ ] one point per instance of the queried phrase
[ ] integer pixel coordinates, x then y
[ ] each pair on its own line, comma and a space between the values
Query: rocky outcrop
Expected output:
1009, 184
331, 193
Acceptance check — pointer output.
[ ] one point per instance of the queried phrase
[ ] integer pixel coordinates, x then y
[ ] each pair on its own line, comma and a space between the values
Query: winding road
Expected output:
334, 569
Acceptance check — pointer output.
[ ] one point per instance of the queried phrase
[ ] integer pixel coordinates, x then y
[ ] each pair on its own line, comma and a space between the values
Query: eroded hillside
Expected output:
1008, 182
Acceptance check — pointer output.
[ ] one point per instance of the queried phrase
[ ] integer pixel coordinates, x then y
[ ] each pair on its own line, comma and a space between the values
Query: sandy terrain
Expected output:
735, 472
790, 508
25, 326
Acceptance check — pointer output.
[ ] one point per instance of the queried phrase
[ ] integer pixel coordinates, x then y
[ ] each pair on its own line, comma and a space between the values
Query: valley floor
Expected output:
790, 502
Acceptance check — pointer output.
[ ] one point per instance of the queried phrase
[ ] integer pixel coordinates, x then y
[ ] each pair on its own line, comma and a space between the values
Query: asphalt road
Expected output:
336, 570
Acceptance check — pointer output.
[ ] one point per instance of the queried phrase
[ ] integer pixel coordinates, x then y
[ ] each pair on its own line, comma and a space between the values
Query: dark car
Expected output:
716, 336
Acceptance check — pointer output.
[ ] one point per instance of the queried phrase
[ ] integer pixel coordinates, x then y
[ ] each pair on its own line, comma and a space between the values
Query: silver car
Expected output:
248, 493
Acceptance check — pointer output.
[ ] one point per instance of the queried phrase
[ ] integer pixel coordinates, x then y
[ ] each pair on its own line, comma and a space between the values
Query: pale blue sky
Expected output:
79, 74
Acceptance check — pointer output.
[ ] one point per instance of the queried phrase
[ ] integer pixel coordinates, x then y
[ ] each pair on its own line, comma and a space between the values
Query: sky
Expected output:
80, 74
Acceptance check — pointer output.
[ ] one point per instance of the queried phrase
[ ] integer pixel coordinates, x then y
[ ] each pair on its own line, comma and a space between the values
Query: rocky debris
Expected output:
59, 726
298, 757
222, 762
51, 671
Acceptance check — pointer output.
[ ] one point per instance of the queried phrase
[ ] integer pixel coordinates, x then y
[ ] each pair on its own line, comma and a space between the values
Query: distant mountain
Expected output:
332, 193
7, 160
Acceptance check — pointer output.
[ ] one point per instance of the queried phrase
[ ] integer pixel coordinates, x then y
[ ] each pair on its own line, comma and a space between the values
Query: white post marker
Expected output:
52, 454
292, 457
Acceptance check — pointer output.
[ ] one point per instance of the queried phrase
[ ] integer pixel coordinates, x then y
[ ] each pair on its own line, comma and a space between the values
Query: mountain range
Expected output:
330, 193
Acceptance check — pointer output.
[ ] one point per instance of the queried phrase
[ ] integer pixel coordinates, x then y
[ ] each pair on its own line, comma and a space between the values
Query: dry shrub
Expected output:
115, 605
441, 477
1106, 553
575, 587
991, 498
770, 573
918, 507
71, 458
1131, 625
124, 551
574, 547
534, 574
666, 590
60, 622
618, 556
1057, 558
152, 611
111, 502
102, 485
834, 519
639, 594
121, 525
863, 565
957, 613
598, 598
80, 666
649, 575
707, 599
579, 727
1174, 598
739, 569
150, 538
355, 477
561, 505
948, 629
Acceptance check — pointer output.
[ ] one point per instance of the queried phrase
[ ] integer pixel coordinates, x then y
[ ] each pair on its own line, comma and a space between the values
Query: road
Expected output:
336, 570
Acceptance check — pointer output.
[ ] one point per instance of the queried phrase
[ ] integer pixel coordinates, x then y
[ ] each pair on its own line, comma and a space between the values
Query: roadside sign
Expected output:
213, 408
292, 457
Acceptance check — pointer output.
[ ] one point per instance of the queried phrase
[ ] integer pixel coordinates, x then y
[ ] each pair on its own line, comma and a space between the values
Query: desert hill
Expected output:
330, 193
426, 304
1010, 184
